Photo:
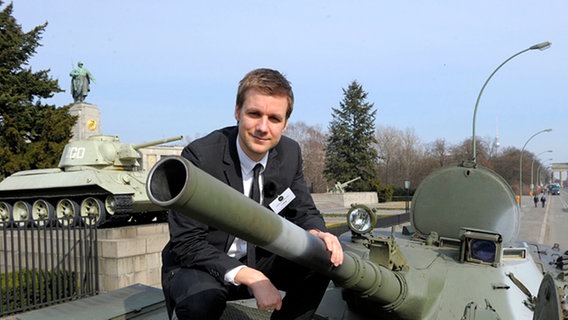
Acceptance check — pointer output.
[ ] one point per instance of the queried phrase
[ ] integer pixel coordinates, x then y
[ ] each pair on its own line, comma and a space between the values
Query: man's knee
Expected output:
194, 294
206, 305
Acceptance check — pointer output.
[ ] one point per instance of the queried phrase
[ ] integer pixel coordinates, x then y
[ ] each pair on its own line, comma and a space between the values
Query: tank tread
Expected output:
123, 204
52, 194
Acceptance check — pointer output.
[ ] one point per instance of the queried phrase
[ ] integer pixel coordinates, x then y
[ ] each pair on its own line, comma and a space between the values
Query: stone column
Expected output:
88, 120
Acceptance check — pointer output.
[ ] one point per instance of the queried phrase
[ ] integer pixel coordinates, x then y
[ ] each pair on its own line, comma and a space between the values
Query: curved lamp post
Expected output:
521, 163
532, 167
538, 170
541, 46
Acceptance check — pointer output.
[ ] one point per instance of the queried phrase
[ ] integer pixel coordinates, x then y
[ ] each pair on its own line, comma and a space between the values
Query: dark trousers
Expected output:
194, 294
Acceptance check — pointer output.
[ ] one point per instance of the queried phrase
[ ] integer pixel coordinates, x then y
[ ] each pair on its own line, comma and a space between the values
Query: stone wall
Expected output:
344, 199
130, 255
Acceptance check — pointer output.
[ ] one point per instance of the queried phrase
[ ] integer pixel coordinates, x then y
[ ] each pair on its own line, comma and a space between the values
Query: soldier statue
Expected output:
80, 82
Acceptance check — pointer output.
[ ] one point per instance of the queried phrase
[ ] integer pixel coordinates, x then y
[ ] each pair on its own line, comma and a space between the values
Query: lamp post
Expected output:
407, 188
532, 168
541, 46
521, 163
538, 170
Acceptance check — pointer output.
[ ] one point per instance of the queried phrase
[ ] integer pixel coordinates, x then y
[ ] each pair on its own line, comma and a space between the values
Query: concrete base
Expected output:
88, 120
136, 301
344, 199
130, 255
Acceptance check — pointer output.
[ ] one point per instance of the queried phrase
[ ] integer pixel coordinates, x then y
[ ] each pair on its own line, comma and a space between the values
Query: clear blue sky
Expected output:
165, 68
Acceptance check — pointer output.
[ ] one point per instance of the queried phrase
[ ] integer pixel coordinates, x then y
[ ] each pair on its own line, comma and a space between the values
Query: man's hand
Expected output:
267, 297
331, 244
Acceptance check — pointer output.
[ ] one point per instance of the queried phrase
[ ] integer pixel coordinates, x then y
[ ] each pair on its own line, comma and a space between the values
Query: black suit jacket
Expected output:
195, 245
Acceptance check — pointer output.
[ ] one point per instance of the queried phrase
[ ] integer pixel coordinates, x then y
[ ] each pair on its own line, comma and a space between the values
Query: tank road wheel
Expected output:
110, 204
21, 212
67, 212
42, 212
5, 211
93, 211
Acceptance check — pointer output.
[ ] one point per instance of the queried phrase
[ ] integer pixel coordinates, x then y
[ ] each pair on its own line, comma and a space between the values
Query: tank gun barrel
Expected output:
175, 183
156, 142
345, 184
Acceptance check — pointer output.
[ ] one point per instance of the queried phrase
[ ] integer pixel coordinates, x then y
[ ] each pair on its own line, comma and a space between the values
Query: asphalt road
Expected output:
546, 225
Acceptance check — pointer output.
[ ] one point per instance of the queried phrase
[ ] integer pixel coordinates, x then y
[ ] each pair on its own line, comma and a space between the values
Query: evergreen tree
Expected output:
32, 134
350, 151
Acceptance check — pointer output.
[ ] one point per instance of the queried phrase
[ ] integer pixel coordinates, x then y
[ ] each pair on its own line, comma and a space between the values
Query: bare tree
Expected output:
402, 156
388, 145
439, 152
463, 152
312, 142
507, 166
412, 153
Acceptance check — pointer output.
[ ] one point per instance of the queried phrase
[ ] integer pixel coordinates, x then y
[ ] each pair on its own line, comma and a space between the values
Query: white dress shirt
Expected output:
239, 247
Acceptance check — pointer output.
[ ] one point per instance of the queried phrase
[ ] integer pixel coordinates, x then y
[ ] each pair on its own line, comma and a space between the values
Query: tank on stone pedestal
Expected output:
98, 181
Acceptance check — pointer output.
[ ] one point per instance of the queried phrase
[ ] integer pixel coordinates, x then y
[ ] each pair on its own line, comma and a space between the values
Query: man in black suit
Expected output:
204, 267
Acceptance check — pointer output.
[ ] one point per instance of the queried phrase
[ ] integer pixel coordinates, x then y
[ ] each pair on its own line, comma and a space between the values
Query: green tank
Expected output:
457, 259
98, 181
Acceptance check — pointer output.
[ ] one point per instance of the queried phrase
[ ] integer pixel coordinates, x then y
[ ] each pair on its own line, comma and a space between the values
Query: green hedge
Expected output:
385, 193
27, 288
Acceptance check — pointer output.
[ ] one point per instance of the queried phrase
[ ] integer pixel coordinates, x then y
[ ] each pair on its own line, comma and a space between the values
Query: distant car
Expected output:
555, 191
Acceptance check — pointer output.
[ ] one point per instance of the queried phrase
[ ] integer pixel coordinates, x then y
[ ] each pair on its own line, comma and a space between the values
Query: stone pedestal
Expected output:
130, 255
88, 120
345, 199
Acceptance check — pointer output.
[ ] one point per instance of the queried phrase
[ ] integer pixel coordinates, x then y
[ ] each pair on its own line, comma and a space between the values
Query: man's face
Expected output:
262, 120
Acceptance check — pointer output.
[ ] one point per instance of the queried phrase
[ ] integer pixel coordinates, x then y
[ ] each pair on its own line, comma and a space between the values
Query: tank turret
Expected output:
105, 152
457, 260
98, 180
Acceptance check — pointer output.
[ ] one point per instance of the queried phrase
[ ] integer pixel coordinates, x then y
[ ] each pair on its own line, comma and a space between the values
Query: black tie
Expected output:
255, 189
255, 195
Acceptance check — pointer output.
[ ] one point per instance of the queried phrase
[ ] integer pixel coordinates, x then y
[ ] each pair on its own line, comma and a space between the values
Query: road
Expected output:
546, 225
555, 220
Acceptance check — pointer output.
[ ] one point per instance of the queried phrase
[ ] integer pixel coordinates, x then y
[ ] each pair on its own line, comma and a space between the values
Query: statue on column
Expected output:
80, 82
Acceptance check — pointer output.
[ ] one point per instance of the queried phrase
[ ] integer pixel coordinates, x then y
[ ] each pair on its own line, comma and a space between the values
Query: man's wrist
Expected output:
315, 232
231, 274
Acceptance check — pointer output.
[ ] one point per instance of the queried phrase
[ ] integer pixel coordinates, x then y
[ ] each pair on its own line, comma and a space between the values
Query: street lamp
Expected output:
539, 167
541, 46
521, 163
532, 168
407, 188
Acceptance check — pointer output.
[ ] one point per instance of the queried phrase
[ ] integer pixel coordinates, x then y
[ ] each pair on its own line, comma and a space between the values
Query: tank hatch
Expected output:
458, 196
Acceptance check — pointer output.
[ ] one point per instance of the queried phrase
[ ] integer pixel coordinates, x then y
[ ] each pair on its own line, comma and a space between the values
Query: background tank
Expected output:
99, 178
459, 258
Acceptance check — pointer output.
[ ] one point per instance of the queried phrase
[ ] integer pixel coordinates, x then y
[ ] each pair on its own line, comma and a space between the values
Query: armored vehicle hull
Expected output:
439, 267
98, 181
451, 289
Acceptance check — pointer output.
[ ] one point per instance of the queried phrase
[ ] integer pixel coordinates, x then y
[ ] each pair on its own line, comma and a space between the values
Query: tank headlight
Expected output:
361, 219
483, 250
480, 246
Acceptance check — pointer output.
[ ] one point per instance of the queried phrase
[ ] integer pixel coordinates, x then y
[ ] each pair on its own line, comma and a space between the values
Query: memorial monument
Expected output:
80, 82
88, 115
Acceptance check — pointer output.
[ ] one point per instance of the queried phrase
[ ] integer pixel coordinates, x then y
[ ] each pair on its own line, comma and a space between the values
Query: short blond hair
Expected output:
269, 82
